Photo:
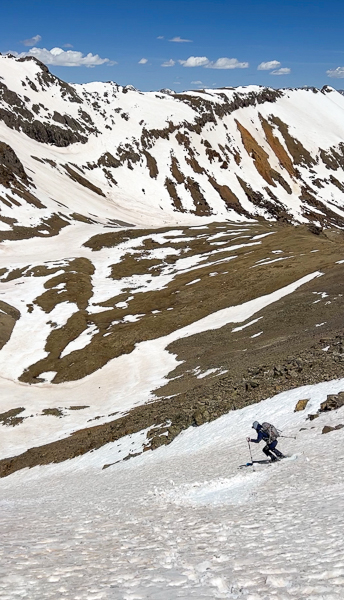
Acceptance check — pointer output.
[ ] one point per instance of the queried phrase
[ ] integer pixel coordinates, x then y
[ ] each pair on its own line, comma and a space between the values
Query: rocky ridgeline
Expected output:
224, 152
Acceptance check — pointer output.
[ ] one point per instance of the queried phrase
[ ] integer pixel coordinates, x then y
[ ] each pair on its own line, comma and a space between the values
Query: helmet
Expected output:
255, 425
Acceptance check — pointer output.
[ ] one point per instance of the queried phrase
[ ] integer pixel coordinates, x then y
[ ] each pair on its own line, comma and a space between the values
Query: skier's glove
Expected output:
248, 439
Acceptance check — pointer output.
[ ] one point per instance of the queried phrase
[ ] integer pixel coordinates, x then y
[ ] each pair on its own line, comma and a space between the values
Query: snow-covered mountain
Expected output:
171, 270
109, 154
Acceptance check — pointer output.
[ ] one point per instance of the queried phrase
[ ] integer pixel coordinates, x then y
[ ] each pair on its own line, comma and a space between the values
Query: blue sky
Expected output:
175, 43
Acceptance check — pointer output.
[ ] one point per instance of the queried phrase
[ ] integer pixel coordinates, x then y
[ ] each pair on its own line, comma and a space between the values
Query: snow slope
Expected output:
183, 521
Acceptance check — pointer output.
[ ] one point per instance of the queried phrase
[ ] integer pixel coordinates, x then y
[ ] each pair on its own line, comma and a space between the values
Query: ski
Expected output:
263, 462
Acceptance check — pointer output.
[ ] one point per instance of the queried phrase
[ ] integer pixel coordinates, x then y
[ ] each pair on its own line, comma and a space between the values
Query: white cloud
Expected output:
338, 73
168, 63
267, 66
143, 61
179, 40
68, 46
69, 58
32, 41
195, 61
227, 63
160, 37
220, 63
282, 71
196, 82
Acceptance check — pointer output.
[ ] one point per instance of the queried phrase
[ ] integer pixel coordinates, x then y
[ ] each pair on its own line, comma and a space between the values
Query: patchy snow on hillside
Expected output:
184, 521
123, 383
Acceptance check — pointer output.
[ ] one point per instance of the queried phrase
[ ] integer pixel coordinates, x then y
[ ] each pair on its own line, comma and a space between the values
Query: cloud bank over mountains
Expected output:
66, 58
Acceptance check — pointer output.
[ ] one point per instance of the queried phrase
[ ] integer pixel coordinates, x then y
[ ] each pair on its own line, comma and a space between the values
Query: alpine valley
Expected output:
172, 268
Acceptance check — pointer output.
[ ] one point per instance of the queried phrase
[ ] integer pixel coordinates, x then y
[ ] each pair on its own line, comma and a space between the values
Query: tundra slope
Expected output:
137, 332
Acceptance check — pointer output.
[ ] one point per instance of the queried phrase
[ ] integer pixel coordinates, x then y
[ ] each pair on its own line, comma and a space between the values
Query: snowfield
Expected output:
184, 521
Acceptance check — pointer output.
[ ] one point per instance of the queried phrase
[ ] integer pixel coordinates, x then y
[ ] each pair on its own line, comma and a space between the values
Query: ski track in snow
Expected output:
183, 522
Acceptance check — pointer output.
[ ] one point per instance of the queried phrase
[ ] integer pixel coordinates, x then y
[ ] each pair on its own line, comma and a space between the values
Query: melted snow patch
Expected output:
247, 325
81, 341
262, 235
192, 282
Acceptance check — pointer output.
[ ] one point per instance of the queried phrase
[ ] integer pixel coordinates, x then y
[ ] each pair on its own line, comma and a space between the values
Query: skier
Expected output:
269, 434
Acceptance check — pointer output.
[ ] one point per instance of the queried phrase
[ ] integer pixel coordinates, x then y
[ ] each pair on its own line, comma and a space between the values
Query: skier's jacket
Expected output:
263, 434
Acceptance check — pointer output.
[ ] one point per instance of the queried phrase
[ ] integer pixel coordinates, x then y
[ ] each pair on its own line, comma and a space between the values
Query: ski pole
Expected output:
249, 447
291, 437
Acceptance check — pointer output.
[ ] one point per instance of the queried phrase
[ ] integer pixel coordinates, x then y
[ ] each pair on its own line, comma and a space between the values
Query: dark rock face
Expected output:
10, 166
17, 116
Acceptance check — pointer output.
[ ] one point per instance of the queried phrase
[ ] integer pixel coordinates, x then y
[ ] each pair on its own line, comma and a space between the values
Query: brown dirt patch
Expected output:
260, 159
10, 418
300, 155
8, 318
83, 181
276, 146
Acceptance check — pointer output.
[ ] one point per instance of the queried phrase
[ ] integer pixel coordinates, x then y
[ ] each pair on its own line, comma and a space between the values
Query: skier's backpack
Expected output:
270, 432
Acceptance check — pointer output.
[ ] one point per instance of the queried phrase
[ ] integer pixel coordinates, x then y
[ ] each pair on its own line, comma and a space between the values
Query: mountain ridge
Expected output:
159, 158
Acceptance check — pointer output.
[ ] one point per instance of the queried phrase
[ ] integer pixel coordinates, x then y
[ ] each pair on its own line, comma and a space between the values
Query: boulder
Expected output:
198, 418
201, 417
328, 428
301, 405
278, 371
332, 402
